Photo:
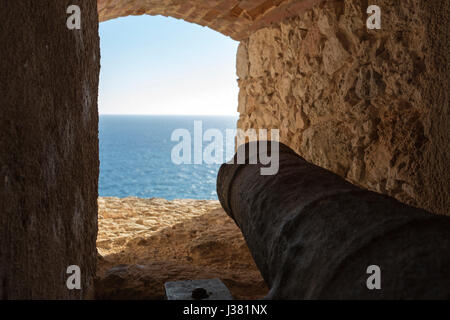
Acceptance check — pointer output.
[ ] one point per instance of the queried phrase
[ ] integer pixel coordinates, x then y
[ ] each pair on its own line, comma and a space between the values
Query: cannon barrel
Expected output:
313, 235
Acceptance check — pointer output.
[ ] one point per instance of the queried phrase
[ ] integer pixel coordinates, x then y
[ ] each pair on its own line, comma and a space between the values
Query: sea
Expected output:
136, 156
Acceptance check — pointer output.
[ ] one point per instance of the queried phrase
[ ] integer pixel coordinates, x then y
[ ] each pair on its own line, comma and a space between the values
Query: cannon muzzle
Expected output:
313, 235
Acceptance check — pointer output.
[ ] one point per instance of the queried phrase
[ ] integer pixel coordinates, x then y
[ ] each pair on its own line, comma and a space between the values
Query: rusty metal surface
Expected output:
313, 235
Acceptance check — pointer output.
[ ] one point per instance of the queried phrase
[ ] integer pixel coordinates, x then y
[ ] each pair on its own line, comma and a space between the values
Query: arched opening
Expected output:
237, 19
161, 77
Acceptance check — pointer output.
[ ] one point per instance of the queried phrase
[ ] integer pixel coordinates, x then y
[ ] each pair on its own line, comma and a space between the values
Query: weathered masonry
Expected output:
369, 105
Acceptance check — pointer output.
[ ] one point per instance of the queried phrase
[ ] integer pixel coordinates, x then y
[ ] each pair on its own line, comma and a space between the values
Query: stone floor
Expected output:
143, 243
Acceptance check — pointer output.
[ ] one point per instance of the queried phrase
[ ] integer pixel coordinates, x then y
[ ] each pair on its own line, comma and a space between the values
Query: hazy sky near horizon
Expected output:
159, 65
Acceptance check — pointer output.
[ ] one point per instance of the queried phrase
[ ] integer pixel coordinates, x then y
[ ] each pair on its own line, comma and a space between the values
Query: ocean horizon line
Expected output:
136, 156
170, 115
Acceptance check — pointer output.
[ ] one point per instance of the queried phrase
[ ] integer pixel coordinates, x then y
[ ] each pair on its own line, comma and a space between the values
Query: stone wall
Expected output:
370, 105
49, 148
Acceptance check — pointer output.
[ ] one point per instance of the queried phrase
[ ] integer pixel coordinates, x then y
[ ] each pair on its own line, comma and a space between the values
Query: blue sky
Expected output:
159, 65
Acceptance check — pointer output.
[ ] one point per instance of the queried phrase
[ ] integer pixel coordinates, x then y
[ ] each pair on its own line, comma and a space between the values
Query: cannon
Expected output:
314, 235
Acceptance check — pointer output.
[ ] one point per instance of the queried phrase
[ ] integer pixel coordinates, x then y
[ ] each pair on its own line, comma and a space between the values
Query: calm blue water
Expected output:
135, 157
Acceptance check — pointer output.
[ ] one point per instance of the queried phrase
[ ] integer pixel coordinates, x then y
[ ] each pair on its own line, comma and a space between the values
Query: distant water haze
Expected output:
135, 157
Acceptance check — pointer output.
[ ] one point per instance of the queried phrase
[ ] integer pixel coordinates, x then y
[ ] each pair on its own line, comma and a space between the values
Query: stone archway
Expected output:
234, 18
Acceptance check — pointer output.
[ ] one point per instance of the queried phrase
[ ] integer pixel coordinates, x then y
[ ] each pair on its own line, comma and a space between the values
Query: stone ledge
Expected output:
144, 243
